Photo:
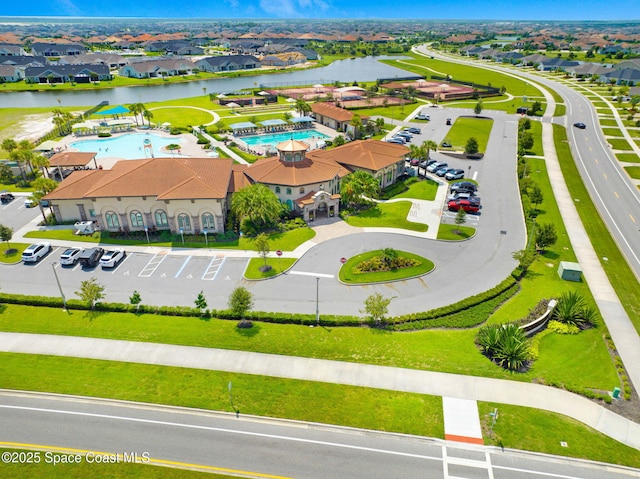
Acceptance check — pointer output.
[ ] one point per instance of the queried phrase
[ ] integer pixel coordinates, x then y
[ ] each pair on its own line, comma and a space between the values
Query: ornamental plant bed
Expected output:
376, 267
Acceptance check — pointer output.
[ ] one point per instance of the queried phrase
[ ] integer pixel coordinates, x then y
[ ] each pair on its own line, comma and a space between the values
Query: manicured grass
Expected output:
278, 265
455, 232
12, 252
15, 189
256, 395
386, 215
630, 157
619, 144
396, 112
536, 131
546, 430
356, 344
84, 469
465, 128
286, 241
633, 171
561, 109
423, 189
616, 267
181, 117
612, 131
347, 275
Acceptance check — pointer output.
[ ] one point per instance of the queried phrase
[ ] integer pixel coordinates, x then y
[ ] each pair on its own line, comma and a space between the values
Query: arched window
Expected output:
302, 190
161, 219
184, 222
112, 220
208, 221
135, 217
288, 191
277, 189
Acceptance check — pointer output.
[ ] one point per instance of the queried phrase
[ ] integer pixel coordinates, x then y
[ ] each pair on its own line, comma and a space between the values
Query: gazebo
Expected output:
76, 160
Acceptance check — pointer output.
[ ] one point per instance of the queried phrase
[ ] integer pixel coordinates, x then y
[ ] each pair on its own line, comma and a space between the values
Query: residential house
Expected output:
226, 63
627, 76
67, 73
112, 60
10, 74
7, 49
174, 47
157, 68
533, 59
633, 63
556, 64
588, 70
283, 59
57, 49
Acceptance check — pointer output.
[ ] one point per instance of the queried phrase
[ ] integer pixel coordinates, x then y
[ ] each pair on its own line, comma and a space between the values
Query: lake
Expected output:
360, 69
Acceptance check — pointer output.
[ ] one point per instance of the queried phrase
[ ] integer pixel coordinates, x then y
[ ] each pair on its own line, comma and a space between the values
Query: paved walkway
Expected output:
337, 372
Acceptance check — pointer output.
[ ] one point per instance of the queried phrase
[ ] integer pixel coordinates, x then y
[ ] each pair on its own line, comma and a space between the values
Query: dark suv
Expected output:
90, 257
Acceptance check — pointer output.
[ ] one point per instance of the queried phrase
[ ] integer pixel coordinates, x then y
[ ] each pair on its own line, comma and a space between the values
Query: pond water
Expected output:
130, 146
360, 69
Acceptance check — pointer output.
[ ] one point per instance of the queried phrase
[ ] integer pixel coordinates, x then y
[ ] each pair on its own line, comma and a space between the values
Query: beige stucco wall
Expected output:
332, 186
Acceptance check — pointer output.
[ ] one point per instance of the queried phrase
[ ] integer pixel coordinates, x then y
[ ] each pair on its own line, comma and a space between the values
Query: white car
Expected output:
35, 252
28, 203
112, 258
70, 256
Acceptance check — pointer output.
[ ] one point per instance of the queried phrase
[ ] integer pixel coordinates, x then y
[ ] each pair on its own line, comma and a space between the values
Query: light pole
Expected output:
55, 273
317, 301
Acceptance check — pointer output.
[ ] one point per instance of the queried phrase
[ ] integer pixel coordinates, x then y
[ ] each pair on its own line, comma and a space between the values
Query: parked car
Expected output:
414, 130
70, 256
405, 134
414, 161
6, 197
397, 141
456, 174
90, 257
436, 166
446, 144
582, 126
464, 186
443, 171
426, 163
35, 252
465, 195
402, 139
468, 206
111, 259
29, 203
422, 117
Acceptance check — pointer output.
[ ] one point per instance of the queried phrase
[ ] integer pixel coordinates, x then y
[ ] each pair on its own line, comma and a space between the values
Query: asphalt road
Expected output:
256, 447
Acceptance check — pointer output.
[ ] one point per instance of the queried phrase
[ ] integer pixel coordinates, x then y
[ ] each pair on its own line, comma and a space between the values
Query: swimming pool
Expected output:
129, 146
310, 136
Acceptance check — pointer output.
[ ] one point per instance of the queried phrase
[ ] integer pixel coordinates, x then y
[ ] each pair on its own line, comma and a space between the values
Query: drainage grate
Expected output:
503, 232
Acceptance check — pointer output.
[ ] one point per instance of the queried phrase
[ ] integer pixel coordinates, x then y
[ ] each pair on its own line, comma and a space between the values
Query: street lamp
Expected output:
55, 273
317, 301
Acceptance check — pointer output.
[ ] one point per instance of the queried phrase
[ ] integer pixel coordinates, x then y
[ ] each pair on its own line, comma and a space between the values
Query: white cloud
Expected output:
293, 8
67, 7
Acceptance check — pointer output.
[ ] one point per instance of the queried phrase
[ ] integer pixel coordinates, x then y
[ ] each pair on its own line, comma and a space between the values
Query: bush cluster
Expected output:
378, 264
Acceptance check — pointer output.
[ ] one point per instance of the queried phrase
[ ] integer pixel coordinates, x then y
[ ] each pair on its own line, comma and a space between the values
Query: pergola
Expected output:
71, 159
243, 127
273, 123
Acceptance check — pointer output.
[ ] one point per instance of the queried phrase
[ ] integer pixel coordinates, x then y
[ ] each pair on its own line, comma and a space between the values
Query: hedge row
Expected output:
463, 314
509, 285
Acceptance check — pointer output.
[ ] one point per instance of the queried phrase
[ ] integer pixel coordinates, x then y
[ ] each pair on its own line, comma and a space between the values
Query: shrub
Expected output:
104, 134
572, 309
562, 328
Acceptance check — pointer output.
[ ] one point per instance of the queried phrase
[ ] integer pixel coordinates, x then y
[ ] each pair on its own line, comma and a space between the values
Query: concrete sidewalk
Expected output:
337, 372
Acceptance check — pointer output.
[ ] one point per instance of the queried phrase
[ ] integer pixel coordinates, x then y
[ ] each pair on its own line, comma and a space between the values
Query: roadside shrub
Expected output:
562, 328
506, 345
573, 309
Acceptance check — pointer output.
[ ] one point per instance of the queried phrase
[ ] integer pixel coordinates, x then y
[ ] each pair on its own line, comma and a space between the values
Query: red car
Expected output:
468, 205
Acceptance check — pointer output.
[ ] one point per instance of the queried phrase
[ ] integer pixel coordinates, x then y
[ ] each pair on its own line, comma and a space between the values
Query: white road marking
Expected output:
317, 275
121, 263
213, 268
152, 265
183, 266
53, 250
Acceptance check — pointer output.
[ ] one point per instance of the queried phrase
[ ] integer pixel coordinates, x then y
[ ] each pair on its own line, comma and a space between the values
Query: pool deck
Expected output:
260, 149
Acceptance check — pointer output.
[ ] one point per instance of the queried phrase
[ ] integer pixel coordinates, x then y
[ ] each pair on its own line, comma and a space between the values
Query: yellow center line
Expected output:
597, 162
616, 193
605, 176
632, 218
150, 461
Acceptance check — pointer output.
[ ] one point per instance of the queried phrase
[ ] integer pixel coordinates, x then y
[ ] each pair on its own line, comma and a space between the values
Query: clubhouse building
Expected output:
194, 194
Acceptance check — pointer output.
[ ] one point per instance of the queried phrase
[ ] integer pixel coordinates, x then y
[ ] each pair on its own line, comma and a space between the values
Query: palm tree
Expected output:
136, 109
148, 115
302, 107
429, 146
359, 187
9, 144
258, 204
40, 161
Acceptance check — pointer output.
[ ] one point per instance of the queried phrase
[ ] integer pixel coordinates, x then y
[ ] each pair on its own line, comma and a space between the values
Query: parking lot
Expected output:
15, 214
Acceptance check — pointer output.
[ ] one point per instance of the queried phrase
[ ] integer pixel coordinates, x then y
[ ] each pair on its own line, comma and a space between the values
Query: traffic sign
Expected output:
343, 260
279, 253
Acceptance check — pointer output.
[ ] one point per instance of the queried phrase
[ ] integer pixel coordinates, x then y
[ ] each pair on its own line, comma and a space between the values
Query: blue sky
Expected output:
420, 9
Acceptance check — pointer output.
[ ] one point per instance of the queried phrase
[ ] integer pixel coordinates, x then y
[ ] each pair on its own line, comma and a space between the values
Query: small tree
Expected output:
536, 108
241, 301
201, 302
525, 258
135, 299
546, 236
471, 148
460, 219
478, 108
376, 307
6, 234
536, 196
91, 292
262, 243
526, 141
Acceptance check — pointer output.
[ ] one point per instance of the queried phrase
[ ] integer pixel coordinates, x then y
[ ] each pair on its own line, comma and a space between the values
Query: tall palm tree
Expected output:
9, 144
429, 146
136, 109
148, 115
258, 204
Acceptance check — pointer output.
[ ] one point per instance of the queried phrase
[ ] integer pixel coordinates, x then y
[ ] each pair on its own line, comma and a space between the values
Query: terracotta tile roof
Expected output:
292, 145
331, 111
164, 178
367, 154
71, 158
274, 172
238, 179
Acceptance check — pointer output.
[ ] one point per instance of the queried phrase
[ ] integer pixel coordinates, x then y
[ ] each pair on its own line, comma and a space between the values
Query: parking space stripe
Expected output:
183, 266
213, 268
121, 263
152, 265
49, 254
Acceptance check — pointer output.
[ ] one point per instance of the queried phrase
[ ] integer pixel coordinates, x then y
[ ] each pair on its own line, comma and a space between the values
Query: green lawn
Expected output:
386, 215
286, 241
536, 131
455, 232
12, 252
422, 189
561, 109
612, 131
278, 265
633, 171
181, 117
630, 157
14, 188
347, 275
465, 128
256, 395
619, 144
